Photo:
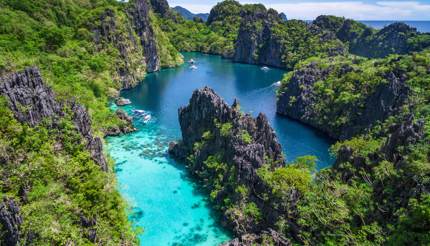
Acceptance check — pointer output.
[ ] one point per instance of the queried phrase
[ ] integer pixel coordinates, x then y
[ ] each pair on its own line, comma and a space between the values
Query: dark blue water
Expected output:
421, 26
163, 200
164, 92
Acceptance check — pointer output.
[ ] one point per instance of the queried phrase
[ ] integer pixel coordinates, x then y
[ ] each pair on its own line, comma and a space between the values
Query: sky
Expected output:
310, 9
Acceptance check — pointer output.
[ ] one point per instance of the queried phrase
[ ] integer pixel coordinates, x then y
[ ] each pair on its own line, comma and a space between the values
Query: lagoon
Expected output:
164, 200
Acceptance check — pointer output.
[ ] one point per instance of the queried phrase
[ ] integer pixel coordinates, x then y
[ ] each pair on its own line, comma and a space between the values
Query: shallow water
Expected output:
165, 202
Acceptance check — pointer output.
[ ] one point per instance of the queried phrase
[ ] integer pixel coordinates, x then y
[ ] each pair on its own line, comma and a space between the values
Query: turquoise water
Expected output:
165, 202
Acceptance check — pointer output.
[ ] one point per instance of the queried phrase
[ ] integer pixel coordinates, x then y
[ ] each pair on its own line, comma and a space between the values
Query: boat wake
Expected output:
268, 89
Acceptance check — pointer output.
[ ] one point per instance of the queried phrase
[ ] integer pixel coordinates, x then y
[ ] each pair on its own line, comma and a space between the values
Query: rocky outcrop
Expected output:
82, 122
119, 32
267, 39
32, 101
406, 133
206, 107
392, 39
365, 41
10, 222
224, 149
139, 11
298, 101
255, 42
29, 98
125, 127
161, 7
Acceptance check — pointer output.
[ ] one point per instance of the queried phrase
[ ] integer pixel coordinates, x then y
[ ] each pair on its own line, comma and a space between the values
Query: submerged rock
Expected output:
122, 101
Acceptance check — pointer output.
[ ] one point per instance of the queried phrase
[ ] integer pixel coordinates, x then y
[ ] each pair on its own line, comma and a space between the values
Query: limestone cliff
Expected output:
255, 42
117, 30
10, 221
301, 99
396, 38
32, 102
265, 38
225, 149
140, 11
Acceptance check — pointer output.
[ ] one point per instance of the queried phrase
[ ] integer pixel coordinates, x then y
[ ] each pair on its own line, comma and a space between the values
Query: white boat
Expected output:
265, 68
193, 67
138, 112
122, 101
146, 118
191, 61
277, 84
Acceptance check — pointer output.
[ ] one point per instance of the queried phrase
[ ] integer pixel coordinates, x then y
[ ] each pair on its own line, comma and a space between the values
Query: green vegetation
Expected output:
374, 195
58, 38
63, 39
189, 35
365, 199
343, 93
169, 55
246, 138
225, 129
58, 184
397, 38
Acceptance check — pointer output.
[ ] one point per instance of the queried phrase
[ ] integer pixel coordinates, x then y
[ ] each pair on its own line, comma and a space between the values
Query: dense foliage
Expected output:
380, 182
230, 22
58, 37
65, 191
397, 38
351, 88
52, 174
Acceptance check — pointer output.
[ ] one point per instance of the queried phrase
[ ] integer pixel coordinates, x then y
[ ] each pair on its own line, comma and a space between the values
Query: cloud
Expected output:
359, 10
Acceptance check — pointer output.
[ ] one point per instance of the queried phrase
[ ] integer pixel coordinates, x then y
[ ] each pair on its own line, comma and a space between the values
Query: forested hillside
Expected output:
60, 64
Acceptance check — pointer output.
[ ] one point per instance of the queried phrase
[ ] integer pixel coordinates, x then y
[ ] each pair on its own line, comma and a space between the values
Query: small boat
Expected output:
142, 115
191, 61
265, 68
138, 112
122, 101
277, 84
146, 118
193, 67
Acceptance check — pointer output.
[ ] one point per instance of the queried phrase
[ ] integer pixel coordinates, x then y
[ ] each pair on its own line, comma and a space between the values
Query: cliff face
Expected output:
225, 150
29, 98
396, 38
265, 38
139, 12
10, 220
133, 34
119, 32
255, 42
52, 145
32, 102
161, 7
208, 112
299, 100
